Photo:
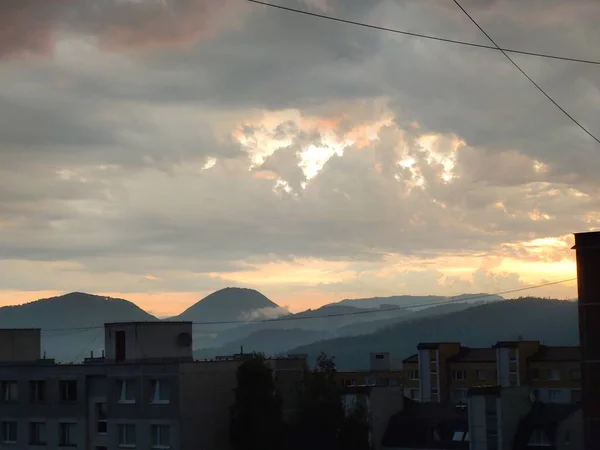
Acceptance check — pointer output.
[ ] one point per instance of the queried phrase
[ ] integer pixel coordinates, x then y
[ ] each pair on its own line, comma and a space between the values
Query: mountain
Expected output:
374, 325
71, 310
335, 320
230, 304
414, 302
72, 324
553, 322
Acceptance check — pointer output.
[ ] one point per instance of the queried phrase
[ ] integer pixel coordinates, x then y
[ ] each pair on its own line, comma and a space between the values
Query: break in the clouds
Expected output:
179, 146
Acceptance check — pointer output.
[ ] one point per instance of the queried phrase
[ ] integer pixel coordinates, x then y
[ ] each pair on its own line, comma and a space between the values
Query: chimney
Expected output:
587, 250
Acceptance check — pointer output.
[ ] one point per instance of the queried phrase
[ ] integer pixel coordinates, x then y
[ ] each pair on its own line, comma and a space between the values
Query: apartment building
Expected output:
444, 371
146, 392
380, 373
555, 374
507, 418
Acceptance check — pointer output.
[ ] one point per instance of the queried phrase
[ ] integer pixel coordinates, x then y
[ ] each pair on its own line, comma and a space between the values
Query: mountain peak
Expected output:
230, 303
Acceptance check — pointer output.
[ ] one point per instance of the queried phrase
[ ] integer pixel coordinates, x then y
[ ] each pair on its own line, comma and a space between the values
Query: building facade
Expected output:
381, 373
445, 371
147, 392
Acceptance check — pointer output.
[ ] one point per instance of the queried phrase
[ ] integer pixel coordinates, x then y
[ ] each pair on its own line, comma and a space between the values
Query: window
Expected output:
539, 439
434, 395
101, 424
481, 374
513, 378
126, 391
392, 382
160, 391
37, 433
459, 375
414, 374
126, 435
576, 395
9, 432
379, 356
460, 436
161, 436
68, 390
347, 383
37, 391
10, 391
66, 435
553, 395
554, 374
575, 374
414, 394
535, 374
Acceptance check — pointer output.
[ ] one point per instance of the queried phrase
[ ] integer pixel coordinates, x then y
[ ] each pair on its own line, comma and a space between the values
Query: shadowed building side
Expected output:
587, 247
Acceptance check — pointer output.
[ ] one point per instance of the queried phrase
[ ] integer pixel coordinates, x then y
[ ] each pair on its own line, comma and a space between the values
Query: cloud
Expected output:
34, 26
259, 139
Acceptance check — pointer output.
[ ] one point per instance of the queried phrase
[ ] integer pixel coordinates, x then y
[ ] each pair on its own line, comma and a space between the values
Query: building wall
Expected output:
477, 423
411, 387
513, 405
149, 340
380, 362
471, 370
206, 395
19, 345
384, 402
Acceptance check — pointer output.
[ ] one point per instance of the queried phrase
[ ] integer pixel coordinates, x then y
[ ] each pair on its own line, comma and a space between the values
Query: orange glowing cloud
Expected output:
34, 26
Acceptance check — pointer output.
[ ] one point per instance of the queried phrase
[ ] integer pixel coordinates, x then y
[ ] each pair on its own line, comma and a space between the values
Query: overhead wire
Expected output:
422, 35
459, 299
539, 88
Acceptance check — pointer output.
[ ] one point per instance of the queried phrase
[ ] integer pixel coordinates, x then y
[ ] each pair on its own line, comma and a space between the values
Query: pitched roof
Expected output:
550, 354
412, 358
545, 417
467, 354
426, 425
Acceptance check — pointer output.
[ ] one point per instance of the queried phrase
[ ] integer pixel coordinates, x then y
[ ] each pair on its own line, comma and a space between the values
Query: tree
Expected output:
356, 429
256, 413
322, 406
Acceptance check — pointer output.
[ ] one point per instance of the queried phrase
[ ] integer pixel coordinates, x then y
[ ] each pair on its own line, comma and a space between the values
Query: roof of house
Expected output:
545, 417
467, 354
551, 354
411, 358
427, 425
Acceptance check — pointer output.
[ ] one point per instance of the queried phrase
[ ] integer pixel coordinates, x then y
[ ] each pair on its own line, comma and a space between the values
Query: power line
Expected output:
421, 35
504, 52
353, 313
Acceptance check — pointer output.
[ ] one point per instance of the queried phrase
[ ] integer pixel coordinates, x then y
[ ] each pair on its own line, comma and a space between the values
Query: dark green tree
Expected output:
356, 428
322, 406
256, 422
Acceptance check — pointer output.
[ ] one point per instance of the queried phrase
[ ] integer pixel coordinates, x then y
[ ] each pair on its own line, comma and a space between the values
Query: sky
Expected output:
158, 150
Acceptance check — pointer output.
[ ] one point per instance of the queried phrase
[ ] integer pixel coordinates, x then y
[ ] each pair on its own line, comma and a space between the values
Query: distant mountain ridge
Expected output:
553, 322
238, 314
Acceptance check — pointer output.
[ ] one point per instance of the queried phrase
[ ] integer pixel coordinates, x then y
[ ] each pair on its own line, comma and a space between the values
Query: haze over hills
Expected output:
326, 324
553, 322
231, 304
